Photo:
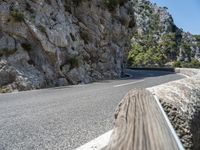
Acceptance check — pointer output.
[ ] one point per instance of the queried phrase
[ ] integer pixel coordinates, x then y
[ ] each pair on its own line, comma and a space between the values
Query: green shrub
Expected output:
74, 62
112, 4
26, 46
17, 15
3, 51
176, 64
73, 2
169, 45
146, 52
42, 29
76, 2
85, 36
132, 23
193, 64
29, 8
4, 90
7, 52
198, 39
121, 2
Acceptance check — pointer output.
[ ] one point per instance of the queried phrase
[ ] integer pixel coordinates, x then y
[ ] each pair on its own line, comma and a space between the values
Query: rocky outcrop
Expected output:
181, 101
156, 25
55, 42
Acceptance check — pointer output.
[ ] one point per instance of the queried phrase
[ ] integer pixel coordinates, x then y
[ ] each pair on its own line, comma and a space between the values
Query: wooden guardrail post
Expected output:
140, 125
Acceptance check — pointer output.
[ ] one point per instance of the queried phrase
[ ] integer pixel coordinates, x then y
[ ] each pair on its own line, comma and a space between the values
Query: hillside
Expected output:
158, 41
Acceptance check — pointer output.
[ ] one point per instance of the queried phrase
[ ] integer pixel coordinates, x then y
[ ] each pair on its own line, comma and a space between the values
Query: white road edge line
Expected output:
183, 75
98, 143
168, 123
128, 83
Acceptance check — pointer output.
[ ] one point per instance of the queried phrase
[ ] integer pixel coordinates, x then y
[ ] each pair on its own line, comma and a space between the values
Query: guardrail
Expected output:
140, 124
153, 68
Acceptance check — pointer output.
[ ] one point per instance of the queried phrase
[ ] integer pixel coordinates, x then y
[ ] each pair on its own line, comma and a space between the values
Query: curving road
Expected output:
67, 117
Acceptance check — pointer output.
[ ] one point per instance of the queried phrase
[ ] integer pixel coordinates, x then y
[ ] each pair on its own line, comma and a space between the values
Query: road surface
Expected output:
67, 117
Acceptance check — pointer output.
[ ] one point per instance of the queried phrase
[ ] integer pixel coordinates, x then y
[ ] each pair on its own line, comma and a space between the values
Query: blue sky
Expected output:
186, 13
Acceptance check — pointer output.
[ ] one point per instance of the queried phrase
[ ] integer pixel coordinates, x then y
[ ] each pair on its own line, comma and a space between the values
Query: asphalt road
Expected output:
66, 117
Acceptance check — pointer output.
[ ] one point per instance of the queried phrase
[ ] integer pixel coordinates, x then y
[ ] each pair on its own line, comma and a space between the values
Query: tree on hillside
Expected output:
169, 46
146, 52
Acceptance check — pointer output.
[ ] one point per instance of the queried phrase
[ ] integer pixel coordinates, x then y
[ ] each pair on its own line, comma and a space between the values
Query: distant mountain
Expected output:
158, 41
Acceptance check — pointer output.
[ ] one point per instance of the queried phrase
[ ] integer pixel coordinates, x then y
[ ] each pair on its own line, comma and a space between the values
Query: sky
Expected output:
186, 13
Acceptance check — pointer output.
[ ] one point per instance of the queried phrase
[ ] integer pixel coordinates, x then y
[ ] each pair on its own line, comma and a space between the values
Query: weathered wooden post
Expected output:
140, 125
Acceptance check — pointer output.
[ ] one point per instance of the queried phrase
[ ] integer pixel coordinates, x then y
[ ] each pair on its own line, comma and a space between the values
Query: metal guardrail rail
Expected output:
152, 68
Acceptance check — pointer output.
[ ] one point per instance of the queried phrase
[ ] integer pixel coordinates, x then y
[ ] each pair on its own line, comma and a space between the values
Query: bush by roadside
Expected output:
192, 64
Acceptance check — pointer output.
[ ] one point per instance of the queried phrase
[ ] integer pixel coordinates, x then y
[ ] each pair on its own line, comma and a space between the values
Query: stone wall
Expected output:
181, 101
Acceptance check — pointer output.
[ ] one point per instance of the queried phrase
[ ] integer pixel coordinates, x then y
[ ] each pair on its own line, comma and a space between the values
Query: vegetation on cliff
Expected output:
159, 42
149, 52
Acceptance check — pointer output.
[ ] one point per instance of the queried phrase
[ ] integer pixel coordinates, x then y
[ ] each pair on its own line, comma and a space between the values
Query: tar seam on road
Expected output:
128, 83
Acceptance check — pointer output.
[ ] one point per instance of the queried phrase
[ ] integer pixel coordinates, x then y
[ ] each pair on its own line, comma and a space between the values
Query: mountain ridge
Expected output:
158, 41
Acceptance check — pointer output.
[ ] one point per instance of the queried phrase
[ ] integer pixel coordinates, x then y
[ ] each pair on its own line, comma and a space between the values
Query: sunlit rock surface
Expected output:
55, 42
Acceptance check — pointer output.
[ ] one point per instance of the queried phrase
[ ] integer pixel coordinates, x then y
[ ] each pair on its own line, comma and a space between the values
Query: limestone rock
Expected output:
7, 74
156, 21
52, 43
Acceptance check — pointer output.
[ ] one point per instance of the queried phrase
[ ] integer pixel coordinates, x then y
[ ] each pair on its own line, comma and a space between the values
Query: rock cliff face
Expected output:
47, 43
159, 38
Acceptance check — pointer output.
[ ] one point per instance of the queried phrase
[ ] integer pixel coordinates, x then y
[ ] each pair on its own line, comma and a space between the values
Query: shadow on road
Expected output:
141, 74
129, 75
